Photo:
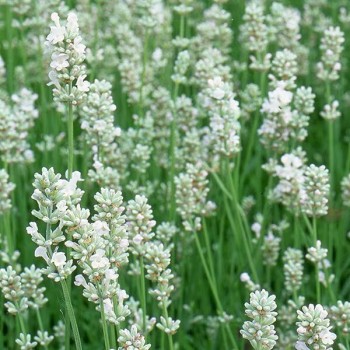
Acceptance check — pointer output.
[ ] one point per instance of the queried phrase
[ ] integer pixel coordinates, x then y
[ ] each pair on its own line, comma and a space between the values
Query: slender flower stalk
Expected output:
70, 129
104, 326
71, 315
143, 294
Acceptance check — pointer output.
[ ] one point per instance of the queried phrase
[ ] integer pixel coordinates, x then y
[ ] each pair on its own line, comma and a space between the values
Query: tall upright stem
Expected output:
173, 138
143, 295
70, 139
213, 288
170, 337
10, 60
70, 130
331, 156
143, 74
71, 315
7, 227
318, 286
172, 158
41, 325
104, 326
242, 225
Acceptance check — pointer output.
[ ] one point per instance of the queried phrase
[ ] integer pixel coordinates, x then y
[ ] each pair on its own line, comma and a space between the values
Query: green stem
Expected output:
236, 174
42, 84
347, 342
115, 333
182, 26
296, 232
239, 216
268, 276
253, 131
2, 322
23, 49
295, 296
309, 227
70, 128
112, 337
40, 321
267, 204
172, 211
213, 288
70, 138
41, 325
245, 242
104, 326
21, 321
143, 295
210, 255
318, 286
332, 184
10, 58
143, 74
7, 220
7, 227
347, 166
252, 139
222, 186
314, 230
170, 337
331, 157
71, 315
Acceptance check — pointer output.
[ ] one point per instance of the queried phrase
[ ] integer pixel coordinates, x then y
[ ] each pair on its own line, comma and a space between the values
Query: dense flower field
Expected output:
174, 174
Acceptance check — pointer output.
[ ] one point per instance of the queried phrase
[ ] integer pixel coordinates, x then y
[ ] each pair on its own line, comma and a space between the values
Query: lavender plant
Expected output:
169, 160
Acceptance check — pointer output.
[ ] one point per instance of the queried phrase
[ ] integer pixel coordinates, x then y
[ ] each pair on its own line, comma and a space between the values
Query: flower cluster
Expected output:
340, 313
260, 331
6, 188
284, 69
191, 196
282, 123
2, 72
181, 65
301, 188
291, 178
314, 331
287, 317
15, 124
67, 73
143, 244
284, 26
140, 224
318, 256
132, 339
100, 249
270, 249
250, 100
293, 269
97, 121
254, 30
224, 112
330, 111
345, 186
250, 285
22, 291
54, 196
314, 201
331, 48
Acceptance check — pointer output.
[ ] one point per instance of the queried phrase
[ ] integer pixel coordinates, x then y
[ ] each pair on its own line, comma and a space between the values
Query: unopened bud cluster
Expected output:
260, 331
